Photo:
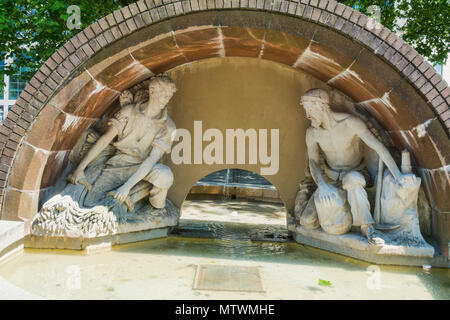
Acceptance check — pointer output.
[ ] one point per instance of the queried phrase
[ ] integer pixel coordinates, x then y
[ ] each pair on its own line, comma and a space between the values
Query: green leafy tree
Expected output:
424, 24
31, 30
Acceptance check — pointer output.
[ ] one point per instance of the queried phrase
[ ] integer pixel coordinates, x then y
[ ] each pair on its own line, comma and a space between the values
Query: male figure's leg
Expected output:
354, 182
161, 177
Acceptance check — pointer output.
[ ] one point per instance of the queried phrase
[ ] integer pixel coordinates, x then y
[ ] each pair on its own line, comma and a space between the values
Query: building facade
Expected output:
11, 91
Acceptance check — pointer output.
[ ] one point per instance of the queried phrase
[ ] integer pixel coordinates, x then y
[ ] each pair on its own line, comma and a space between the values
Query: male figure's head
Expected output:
160, 89
316, 104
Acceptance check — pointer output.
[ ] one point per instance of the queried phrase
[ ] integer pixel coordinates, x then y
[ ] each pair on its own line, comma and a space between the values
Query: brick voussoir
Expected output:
5, 131
142, 6
331, 6
62, 51
126, 13
131, 24
96, 28
139, 21
441, 85
133, 9
150, 4
57, 57
90, 34
446, 93
323, 4
32, 85
118, 17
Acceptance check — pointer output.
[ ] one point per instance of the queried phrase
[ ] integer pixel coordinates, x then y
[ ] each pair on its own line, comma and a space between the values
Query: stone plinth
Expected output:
92, 245
130, 228
356, 246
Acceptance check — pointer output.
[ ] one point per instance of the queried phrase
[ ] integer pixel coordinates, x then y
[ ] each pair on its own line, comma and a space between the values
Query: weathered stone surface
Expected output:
423, 145
46, 128
120, 71
21, 206
71, 130
243, 42
283, 47
408, 99
384, 112
360, 85
159, 54
90, 101
321, 62
437, 185
28, 168
200, 43
56, 163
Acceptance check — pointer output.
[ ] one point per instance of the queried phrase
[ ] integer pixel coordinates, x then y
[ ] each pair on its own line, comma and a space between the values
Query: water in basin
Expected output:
165, 269
220, 234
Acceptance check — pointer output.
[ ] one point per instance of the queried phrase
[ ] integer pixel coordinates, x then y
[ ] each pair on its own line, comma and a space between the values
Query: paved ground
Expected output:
234, 211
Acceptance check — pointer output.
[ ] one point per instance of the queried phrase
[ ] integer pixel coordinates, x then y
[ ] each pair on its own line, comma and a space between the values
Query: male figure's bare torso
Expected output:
340, 143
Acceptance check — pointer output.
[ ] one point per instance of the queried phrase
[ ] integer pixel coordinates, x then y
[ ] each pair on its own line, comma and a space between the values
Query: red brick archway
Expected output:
328, 40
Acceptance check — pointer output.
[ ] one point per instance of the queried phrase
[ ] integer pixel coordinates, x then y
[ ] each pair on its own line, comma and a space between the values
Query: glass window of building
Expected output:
16, 85
2, 96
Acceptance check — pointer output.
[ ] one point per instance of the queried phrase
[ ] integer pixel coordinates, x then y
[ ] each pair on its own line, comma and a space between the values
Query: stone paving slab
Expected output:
356, 246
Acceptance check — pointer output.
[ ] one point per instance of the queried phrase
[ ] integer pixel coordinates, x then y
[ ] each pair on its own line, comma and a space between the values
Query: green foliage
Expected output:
427, 27
31, 30
424, 24
324, 283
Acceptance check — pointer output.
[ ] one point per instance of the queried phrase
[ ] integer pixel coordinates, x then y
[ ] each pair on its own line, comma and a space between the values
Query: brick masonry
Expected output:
69, 60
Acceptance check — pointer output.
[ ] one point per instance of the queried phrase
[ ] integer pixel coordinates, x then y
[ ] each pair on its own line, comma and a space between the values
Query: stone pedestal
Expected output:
355, 245
141, 226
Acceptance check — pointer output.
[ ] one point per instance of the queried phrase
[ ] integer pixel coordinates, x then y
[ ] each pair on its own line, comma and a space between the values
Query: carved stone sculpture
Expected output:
334, 196
398, 206
118, 175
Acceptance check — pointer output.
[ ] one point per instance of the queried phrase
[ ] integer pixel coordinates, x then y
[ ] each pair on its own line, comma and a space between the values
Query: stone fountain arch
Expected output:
325, 39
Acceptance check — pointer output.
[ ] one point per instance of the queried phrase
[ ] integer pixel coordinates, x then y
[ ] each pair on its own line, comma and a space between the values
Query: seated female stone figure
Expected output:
116, 170
140, 134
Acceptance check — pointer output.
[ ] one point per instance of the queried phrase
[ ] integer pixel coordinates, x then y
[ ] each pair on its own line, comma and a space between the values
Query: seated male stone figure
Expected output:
339, 136
141, 132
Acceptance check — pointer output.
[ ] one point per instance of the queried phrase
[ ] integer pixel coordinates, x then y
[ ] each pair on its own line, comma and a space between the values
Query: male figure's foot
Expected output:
367, 230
